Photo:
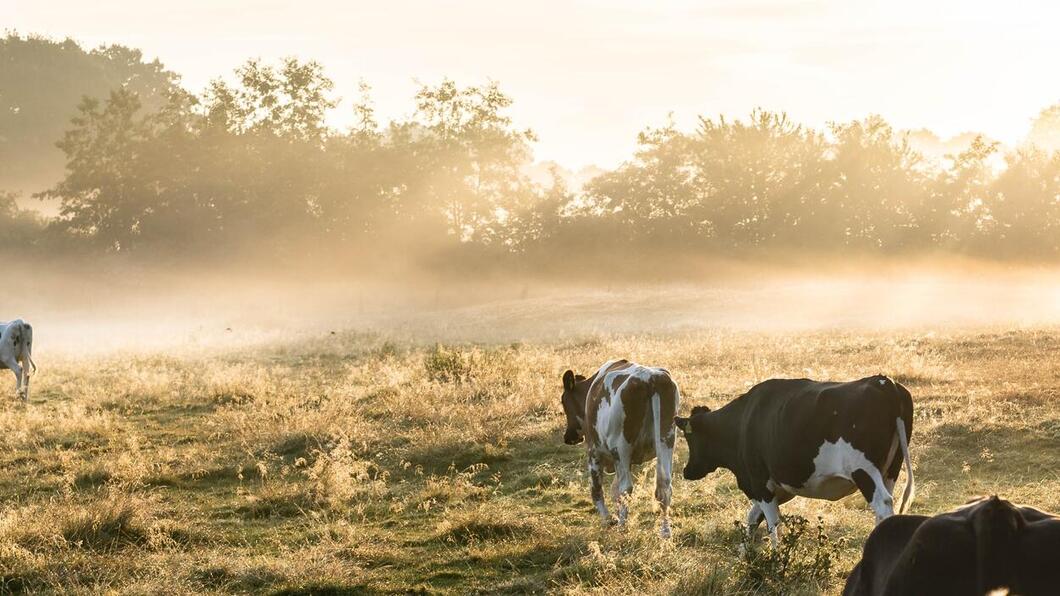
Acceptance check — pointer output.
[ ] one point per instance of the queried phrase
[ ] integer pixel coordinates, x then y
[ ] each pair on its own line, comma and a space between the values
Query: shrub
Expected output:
805, 557
338, 478
447, 365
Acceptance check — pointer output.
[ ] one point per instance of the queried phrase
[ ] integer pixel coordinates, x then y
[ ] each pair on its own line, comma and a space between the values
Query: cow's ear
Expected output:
683, 424
699, 410
568, 380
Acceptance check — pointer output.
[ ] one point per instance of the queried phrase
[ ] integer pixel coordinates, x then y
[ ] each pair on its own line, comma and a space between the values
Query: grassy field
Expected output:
355, 463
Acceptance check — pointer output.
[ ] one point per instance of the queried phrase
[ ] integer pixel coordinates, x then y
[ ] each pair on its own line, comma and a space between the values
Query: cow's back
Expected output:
774, 419
619, 408
792, 418
10, 336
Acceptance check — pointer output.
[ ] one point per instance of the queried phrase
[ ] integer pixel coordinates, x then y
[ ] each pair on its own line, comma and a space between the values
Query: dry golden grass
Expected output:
354, 463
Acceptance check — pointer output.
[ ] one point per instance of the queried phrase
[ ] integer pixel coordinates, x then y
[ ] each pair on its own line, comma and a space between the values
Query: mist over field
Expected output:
94, 312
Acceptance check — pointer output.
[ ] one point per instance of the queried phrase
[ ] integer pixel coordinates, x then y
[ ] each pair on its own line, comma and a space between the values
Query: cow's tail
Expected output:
656, 410
910, 485
24, 350
663, 414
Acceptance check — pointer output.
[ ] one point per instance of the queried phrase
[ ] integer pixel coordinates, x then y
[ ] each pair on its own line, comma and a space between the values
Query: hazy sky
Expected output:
586, 75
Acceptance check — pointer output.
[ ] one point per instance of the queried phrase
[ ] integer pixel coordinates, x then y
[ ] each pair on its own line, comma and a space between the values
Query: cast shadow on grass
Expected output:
965, 461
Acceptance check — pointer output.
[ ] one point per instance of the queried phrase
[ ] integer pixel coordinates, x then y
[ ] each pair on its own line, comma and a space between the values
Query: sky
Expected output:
587, 75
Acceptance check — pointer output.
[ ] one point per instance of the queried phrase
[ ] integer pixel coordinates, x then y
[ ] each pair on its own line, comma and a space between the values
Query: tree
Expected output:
957, 213
464, 161
735, 185
20, 229
872, 189
756, 177
104, 196
41, 84
1024, 203
650, 197
289, 102
1045, 130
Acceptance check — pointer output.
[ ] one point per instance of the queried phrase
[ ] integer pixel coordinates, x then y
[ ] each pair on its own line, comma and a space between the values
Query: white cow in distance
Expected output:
16, 344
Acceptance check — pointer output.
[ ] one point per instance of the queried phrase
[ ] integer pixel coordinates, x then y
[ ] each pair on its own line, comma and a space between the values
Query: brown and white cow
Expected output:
625, 414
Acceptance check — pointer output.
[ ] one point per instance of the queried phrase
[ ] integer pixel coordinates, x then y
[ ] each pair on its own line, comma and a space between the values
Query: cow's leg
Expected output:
25, 382
623, 485
754, 518
664, 485
12, 364
771, 511
872, 486
597, 489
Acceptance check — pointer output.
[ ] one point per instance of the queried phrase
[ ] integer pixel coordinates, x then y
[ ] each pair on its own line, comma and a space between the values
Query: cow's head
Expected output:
575, 388
701, 460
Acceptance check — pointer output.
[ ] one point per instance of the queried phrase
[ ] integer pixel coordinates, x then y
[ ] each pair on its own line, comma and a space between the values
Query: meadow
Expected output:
375, 462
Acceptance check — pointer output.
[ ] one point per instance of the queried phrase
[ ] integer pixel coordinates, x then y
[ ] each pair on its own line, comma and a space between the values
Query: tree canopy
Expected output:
41, 83
251, 164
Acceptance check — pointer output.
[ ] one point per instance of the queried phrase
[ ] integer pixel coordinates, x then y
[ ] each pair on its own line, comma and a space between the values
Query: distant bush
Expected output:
447, 365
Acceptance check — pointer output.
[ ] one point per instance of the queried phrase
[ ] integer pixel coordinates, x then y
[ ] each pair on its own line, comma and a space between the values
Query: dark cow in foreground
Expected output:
625, 415
987, 545
788, 437
16, 346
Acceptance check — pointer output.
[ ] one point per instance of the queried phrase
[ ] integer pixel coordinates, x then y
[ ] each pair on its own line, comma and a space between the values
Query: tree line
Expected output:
250, 165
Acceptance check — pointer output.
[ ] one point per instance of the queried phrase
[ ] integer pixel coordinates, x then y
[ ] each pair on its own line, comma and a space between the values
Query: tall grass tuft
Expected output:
107, 524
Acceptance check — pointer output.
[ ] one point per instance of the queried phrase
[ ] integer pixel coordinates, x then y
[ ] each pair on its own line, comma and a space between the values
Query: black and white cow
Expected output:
986, 545
16, 347
797, 437
625, 414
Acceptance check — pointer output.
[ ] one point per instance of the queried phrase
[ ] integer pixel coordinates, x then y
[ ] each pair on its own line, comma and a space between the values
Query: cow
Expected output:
797, 437
986, 545
625, 414
16, 344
